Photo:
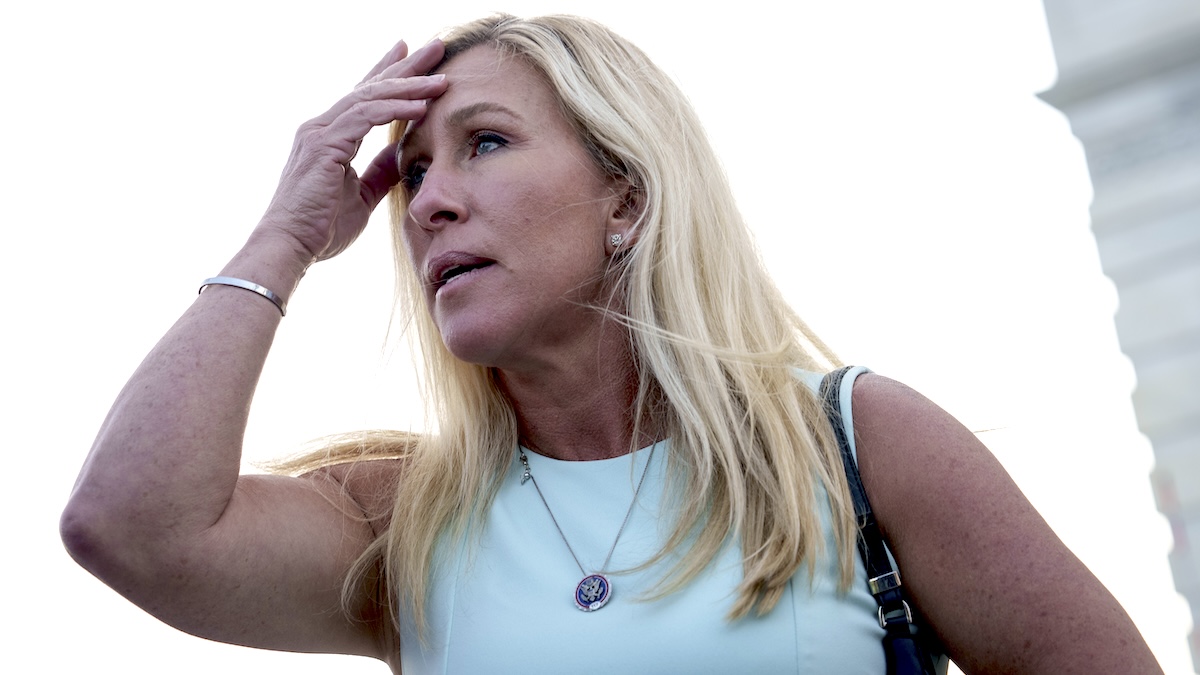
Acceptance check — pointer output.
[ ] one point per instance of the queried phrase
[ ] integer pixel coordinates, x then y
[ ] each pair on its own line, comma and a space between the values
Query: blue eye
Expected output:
485, 142
412, 176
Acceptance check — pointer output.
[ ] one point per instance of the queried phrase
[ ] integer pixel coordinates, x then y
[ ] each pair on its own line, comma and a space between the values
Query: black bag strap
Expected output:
902, 646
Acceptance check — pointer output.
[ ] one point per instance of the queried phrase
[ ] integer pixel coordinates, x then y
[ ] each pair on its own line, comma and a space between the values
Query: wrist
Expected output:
245, 285
270, 260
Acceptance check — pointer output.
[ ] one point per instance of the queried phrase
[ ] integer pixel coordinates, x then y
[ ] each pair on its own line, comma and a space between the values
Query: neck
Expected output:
583, 410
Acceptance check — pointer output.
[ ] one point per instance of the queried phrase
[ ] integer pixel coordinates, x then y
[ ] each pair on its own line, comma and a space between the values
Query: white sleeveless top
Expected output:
507, 605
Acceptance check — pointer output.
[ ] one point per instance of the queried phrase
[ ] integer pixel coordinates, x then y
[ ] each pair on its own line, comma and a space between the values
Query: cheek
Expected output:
569, 211
415, 239
416, 244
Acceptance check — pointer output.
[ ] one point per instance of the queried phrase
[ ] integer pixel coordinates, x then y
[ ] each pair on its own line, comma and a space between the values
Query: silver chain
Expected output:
527, 476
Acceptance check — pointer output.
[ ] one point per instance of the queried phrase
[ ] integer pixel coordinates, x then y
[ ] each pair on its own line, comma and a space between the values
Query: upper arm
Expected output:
999, 588
269, 573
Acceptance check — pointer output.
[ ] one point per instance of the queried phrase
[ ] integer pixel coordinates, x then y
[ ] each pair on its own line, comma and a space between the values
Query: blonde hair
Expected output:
715, 346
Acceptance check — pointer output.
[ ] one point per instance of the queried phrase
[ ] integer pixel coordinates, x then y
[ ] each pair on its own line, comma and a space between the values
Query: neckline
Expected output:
636, 455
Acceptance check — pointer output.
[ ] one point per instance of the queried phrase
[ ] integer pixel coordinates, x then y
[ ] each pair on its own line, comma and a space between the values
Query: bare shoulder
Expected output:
998, 586
906, 443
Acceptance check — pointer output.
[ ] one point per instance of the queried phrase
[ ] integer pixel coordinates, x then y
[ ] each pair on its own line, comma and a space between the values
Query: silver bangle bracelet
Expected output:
249, 286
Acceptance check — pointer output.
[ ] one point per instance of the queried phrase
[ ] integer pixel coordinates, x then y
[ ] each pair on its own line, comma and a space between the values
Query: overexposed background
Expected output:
922, 209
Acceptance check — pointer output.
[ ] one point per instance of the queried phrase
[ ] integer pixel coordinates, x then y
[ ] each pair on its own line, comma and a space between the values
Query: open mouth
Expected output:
458, 271
453, 267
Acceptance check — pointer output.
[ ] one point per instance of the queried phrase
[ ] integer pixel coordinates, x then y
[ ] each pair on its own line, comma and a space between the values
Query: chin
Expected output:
475, 344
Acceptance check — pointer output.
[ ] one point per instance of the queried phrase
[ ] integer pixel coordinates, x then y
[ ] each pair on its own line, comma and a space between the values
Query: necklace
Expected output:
594, 591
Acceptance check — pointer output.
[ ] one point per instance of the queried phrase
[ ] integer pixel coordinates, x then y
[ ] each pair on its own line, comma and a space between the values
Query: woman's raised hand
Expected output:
160, 511
322, 204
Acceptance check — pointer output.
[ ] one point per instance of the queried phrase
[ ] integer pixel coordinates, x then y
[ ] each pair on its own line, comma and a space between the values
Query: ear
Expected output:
622, 229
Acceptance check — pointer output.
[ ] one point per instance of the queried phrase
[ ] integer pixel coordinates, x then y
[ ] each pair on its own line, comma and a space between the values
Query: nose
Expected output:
439, 200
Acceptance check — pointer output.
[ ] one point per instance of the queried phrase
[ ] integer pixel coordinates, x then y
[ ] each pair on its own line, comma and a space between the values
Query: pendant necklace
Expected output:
594, 590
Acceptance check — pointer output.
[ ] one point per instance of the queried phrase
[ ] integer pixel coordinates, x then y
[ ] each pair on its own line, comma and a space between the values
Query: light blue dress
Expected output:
507, 605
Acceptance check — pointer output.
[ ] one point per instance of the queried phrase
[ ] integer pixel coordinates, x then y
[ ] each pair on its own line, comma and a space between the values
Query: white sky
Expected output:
921, 208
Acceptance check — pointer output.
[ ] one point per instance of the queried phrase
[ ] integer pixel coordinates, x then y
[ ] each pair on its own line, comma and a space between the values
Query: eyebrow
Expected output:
460, 115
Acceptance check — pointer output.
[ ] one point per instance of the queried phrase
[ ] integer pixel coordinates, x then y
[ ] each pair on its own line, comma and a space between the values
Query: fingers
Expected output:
397, 89
381, 176
411, 88
396, 53
419, 62
370, 105
344, 134
389, 79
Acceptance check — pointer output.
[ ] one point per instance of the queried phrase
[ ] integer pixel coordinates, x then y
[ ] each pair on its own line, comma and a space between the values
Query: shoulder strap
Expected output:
904, 644
895, 616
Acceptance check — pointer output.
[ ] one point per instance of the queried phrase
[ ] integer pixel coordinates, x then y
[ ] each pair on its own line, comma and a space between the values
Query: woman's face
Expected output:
508, 216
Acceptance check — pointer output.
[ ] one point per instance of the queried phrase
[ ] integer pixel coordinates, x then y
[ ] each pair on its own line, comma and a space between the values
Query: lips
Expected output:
448, 266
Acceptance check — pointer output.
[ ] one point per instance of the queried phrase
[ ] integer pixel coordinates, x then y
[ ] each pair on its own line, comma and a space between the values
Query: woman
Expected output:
625, 406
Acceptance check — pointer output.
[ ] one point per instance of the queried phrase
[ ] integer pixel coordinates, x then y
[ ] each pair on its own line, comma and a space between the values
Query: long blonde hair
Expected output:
715, 346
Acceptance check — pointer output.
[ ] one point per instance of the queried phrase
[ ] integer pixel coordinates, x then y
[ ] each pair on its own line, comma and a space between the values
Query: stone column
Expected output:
1129, 82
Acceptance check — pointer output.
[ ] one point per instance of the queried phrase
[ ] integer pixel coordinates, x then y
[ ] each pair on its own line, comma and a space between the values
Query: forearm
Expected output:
165, 462
159, 511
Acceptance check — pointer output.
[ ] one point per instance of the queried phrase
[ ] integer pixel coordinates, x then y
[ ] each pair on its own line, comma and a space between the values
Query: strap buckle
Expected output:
883, 618
884, 583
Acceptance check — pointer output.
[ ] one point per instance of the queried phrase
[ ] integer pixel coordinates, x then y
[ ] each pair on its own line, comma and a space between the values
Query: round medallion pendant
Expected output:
593, 592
